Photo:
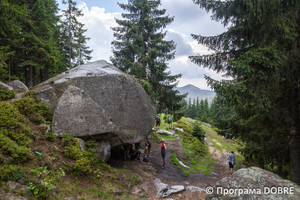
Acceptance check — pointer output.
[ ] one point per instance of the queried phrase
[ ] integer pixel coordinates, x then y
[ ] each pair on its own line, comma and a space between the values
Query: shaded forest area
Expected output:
38, 42
260, 52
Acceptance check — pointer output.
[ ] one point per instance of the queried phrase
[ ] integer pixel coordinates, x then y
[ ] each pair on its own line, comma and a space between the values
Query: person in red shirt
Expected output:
163, 152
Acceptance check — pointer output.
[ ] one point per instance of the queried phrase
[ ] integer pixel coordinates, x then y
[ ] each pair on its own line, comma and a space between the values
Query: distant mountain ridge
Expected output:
194, 92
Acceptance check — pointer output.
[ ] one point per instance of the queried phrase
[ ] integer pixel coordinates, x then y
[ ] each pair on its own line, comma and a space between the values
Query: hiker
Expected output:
133, 153
163, 152
126, 148
157, 122
148, 142
170, 121
137, 147
231, 161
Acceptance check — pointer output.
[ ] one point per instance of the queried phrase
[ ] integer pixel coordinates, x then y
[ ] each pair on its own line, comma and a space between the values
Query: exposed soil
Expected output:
172, 175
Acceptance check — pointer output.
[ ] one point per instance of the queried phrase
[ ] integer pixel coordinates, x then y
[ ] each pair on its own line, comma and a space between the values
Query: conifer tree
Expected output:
260, 51
74, 41
83, 52
28, 39
141, 50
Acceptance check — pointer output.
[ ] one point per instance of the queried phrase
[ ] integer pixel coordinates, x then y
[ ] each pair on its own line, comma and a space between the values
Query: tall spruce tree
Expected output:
28, 38
141, 50
260, 51
83, 51
73, 38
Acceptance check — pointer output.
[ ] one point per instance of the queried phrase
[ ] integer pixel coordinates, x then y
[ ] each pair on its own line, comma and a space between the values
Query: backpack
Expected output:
145, 159
157, 119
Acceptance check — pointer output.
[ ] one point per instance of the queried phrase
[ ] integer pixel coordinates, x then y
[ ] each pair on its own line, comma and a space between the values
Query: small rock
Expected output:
164, 190
118, 192
164, 132
179, 129
7, 87
44, 128
18, 188
103, 149
81, 144
18, 85
214, 173
194, 189
136, 190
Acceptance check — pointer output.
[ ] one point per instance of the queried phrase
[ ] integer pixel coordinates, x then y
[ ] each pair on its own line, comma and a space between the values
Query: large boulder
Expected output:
78, 114
98, 101
254, 183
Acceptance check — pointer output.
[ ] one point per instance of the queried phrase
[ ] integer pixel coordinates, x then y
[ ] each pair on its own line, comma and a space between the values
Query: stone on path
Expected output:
179, 129
165, 132
164, 190
194, 189
185, 166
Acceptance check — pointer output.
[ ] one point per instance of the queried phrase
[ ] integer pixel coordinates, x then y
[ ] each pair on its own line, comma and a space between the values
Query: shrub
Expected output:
27, 107
83, 166
15, 134
73, 152
185, 126
51, 136
48, 180
31, 94
198, 132
69, 140
16, 125
16, 152
11, 118
189, 142
7, 94
33, 108
91, 146
11, 172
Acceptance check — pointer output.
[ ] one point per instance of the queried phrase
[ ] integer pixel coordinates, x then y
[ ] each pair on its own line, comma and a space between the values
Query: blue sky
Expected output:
99, 17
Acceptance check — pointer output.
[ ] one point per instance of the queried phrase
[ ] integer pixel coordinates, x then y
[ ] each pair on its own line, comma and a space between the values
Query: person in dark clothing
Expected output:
163, 152
170, 121
231, 161
157, 122
137, 147
148, 142
133, 153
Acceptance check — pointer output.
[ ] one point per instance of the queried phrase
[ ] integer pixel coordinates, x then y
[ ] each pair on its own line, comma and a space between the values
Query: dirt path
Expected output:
172, 175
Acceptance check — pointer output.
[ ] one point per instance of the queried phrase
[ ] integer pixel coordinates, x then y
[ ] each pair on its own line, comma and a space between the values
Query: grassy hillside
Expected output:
51, 167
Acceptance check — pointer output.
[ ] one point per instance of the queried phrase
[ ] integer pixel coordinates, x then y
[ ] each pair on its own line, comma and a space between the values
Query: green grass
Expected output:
227, 146
166, 137
196, 153
176, 162
163, 124
190, 120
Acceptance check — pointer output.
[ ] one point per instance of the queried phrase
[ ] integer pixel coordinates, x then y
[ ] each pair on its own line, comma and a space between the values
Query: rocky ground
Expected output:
172, 175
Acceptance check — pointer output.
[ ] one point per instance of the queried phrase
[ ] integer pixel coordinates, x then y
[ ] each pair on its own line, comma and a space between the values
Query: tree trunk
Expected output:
70, 36
294, 143
30, 76
295, 156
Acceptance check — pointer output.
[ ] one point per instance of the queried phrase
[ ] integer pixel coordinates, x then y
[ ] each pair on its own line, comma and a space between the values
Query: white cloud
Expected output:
98, 23
189, 18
